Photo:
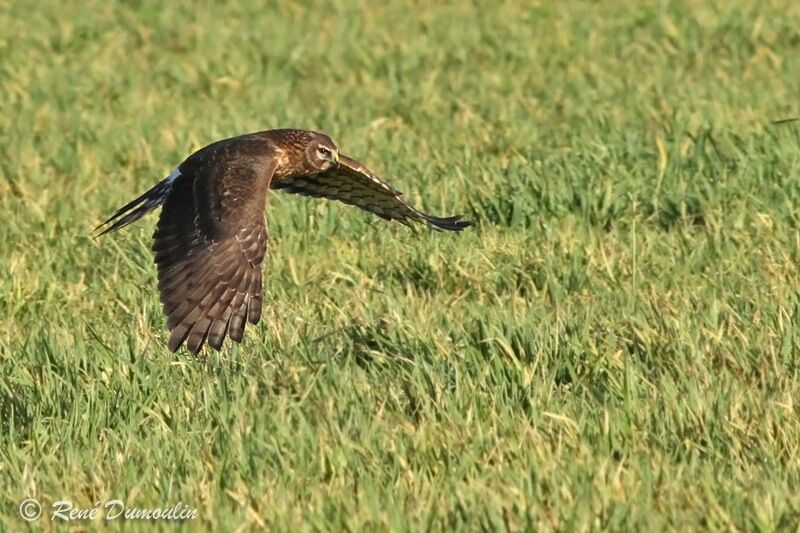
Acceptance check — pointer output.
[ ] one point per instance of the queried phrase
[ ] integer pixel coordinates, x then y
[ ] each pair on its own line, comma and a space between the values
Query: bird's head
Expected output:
321, 153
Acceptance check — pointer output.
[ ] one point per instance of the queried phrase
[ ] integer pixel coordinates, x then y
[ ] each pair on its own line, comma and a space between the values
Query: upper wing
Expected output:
209, 246
353, 183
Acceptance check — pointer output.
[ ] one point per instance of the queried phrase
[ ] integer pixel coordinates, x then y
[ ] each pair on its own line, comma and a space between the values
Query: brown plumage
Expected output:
211, 237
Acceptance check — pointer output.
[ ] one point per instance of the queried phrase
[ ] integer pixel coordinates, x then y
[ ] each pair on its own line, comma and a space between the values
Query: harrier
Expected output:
211, 237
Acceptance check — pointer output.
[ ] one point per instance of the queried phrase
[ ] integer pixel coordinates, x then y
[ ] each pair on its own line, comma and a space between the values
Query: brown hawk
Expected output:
211, 237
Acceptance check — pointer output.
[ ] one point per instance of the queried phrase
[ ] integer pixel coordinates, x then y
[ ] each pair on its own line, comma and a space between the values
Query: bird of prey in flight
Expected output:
211, 237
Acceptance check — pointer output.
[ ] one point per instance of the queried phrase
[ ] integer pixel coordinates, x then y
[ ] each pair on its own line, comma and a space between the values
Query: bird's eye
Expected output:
324, 152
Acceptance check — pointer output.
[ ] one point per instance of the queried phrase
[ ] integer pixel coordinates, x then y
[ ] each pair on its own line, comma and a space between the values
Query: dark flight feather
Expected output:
352, 183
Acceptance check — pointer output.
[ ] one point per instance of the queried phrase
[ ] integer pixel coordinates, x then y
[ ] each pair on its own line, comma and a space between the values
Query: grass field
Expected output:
616, 345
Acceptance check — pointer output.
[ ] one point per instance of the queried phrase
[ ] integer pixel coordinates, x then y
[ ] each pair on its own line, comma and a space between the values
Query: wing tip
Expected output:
453, 223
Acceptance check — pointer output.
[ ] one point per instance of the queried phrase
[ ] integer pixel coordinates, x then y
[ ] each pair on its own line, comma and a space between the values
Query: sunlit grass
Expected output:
614, 345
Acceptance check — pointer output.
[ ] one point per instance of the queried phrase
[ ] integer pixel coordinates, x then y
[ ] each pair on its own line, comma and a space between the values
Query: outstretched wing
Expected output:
354, 184
209, 246
210, 241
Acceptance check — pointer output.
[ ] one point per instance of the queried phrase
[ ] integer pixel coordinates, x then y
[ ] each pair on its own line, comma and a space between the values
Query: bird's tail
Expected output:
136, 209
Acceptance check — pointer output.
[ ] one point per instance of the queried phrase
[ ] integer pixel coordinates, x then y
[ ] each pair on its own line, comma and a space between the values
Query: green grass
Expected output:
616, 345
